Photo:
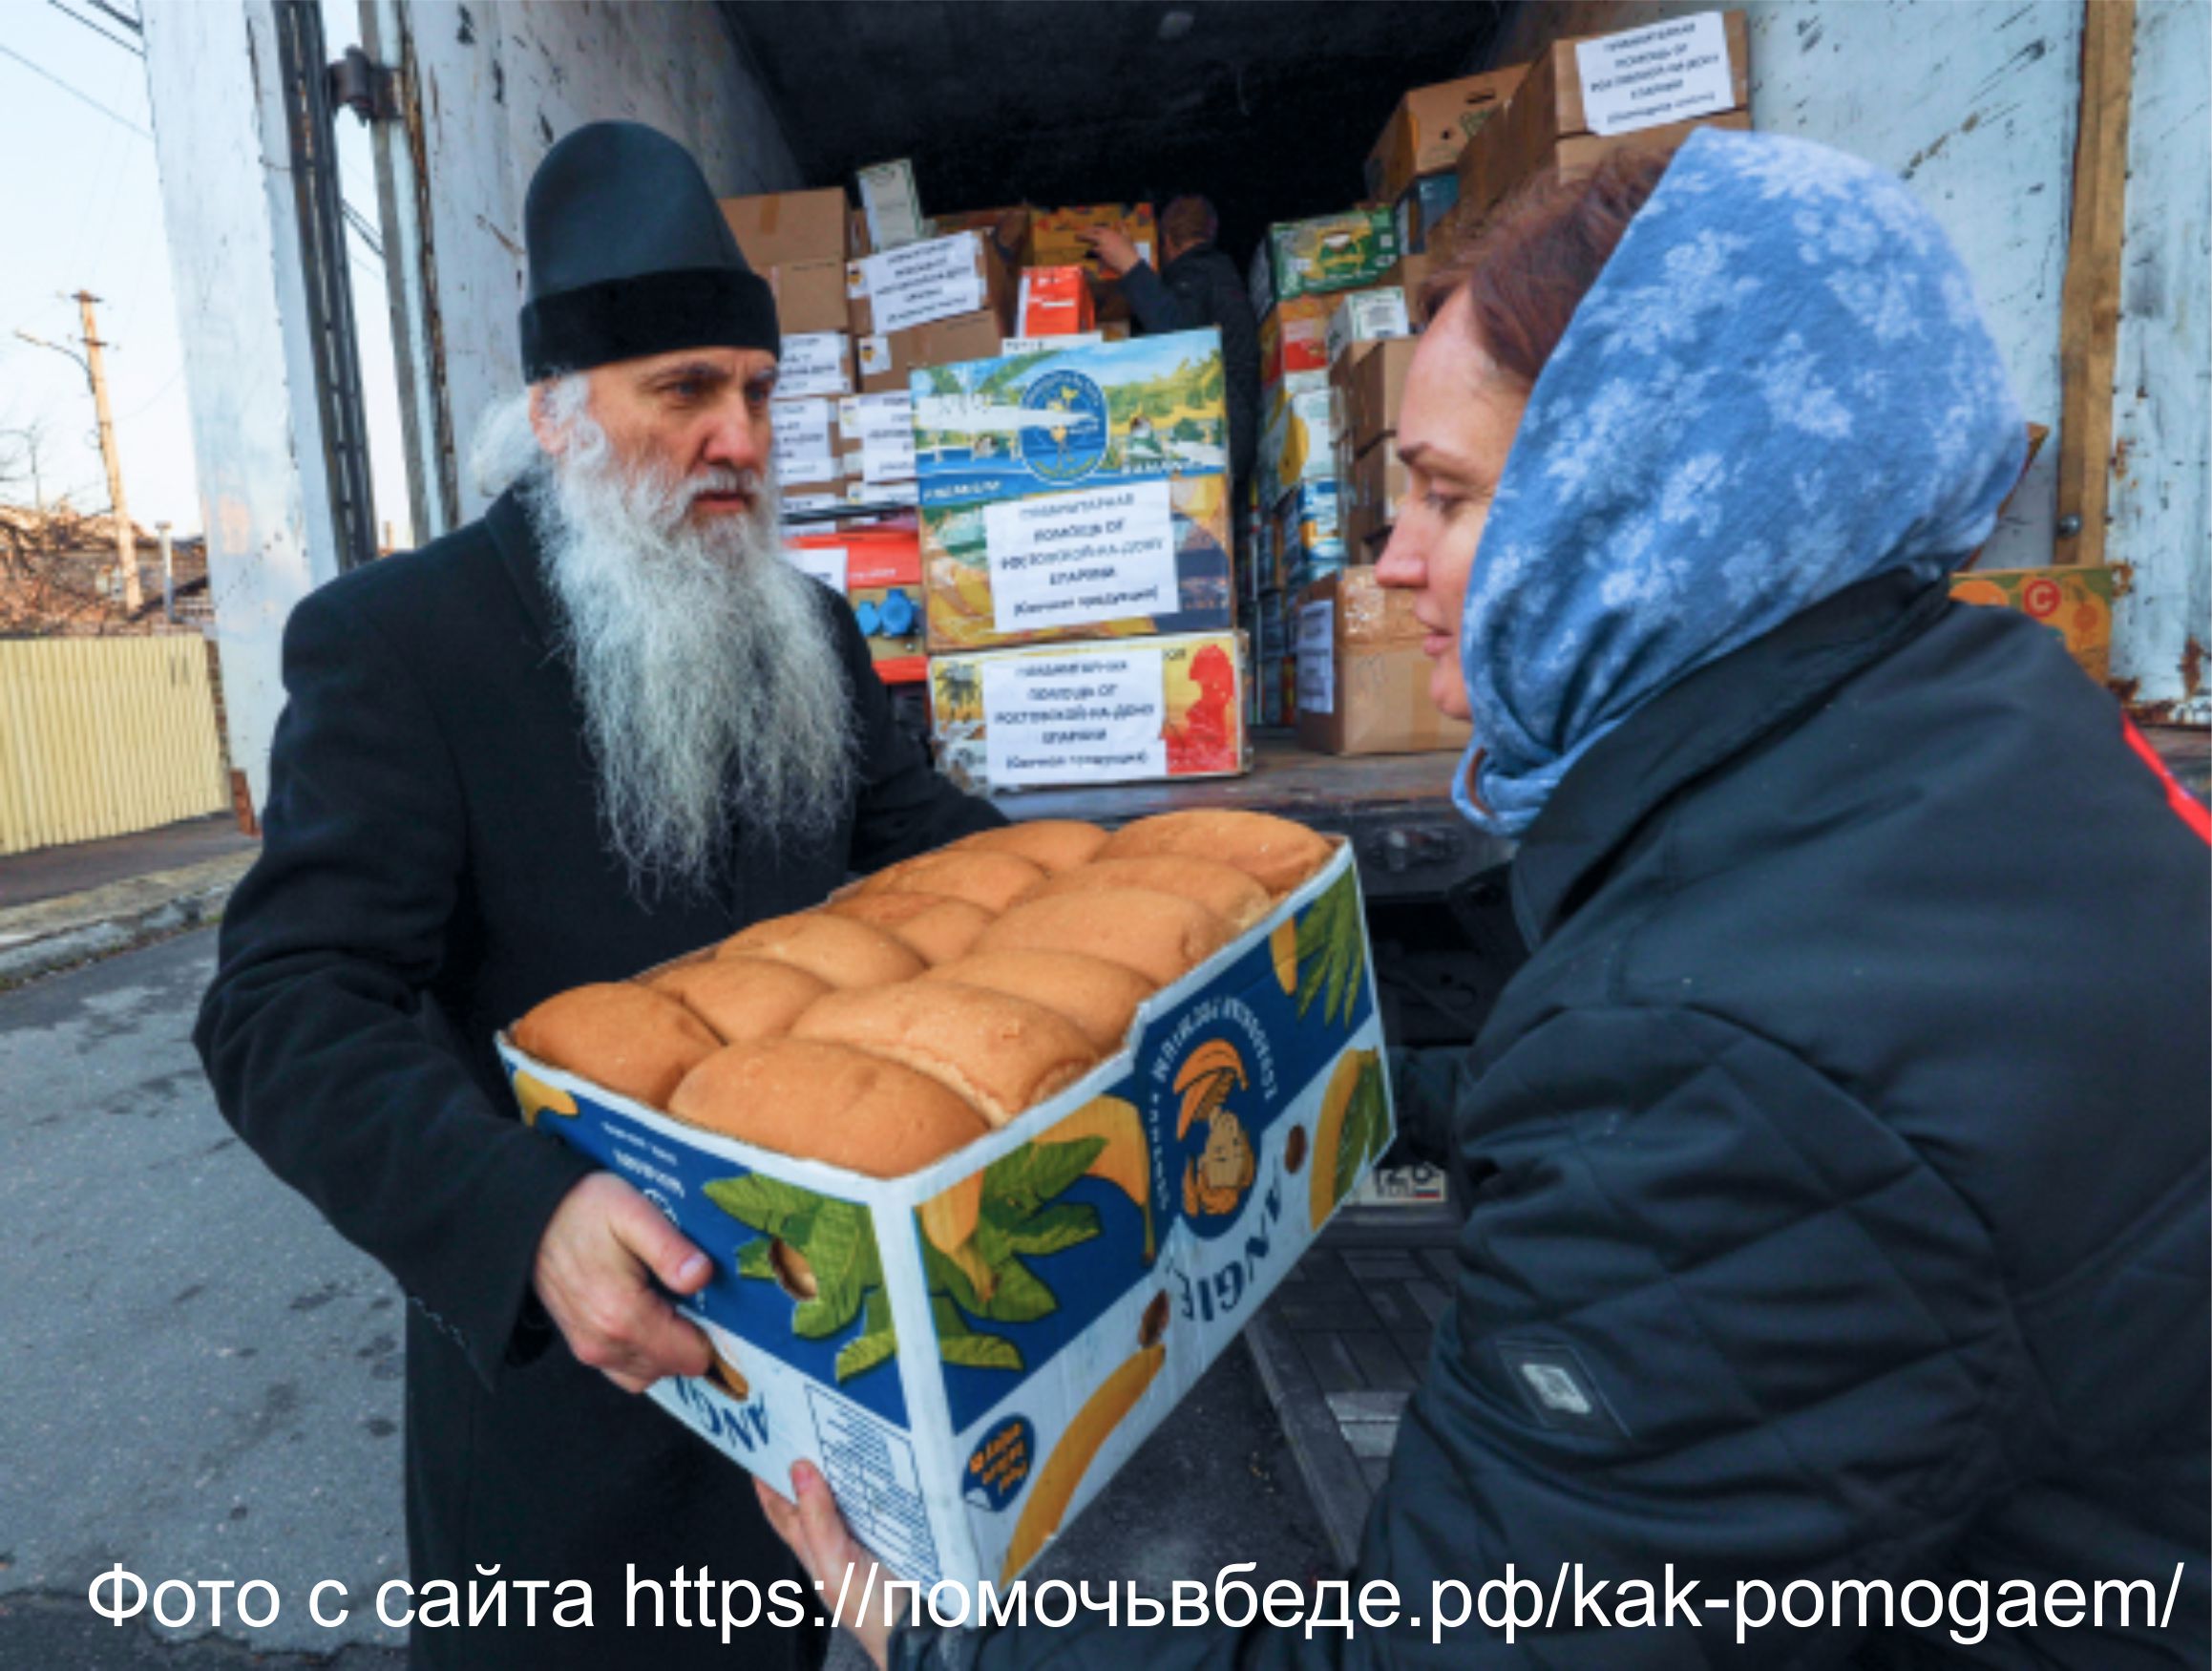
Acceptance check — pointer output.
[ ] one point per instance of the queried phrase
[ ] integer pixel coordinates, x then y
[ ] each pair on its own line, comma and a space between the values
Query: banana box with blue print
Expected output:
969, 1353
1298, 443
1075, 493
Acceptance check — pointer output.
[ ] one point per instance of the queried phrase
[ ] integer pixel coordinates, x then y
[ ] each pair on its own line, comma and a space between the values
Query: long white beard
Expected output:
714, 698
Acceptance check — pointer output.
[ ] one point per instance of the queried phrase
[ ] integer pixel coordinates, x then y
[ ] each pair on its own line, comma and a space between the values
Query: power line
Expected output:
45, 75
88, 22
362, 229
132, 23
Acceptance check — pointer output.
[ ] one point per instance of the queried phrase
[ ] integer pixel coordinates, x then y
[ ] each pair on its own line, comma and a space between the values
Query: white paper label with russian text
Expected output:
1318, 657
813, 363
1073, 558
825, 563
1076, 718
804, 450
883, 424
1646, 78
925, 282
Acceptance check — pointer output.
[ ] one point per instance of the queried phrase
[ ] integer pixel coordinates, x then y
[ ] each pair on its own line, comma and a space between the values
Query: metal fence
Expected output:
101, 736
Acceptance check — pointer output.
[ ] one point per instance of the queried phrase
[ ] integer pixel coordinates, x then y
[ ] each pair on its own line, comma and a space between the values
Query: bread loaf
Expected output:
884, 909
1157, 935
1000, 1053
1098, 997
835, 949
947, 930
742, 998
1273, 852
826, 1103
1223, 889
1056, 844
992, 880
630, 1039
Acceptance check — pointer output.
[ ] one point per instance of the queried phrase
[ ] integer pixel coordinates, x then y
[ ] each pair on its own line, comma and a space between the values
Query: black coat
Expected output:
1201, 288
431, 867
1839, 1179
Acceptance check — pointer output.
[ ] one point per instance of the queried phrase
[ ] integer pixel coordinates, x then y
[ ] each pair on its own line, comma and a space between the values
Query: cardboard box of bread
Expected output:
1130, 711
1075, 493
1362, 680
993, 1153
1593, 94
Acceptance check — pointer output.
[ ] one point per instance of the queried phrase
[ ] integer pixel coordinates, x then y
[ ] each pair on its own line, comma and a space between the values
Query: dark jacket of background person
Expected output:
433, 865
1201, 288
1839, 1168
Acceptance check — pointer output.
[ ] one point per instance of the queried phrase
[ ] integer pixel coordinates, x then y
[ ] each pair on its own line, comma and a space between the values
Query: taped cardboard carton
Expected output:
1589, 96
1432, 126
1363, 682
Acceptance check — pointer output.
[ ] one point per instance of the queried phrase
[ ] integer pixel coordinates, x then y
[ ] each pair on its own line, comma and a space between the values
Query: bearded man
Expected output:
605, 725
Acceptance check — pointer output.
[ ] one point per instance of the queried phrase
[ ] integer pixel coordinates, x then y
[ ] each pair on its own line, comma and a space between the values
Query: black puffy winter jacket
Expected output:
1840, 1212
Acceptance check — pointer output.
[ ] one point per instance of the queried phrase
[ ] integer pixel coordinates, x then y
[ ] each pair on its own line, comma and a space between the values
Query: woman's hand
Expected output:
843, 1571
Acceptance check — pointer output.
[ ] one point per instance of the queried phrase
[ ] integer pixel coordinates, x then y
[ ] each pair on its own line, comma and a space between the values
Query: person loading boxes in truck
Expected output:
1195, 286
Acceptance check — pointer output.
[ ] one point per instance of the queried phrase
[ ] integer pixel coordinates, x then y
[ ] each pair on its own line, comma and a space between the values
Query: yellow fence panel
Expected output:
101, 736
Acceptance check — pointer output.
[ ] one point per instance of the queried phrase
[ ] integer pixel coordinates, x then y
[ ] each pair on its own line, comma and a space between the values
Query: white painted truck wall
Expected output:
234, 252
496, 84
1976, 102
2161, 465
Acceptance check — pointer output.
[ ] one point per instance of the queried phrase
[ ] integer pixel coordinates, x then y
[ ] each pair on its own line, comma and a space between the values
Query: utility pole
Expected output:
168, 573
95, 373
126, 533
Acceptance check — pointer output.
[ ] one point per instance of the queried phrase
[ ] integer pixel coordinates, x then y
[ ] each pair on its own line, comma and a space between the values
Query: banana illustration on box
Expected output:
1127, 1159
1353, 1128
537, 1097
1214, 1181
1071, 1457
983, 1236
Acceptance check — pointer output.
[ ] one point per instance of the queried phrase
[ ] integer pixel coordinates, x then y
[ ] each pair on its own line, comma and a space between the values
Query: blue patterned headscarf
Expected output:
1780, 383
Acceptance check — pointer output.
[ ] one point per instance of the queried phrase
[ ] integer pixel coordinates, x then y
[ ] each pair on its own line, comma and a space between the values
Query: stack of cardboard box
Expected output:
1075, 540
1585, 98
799, 242
1414, 164
1321, 286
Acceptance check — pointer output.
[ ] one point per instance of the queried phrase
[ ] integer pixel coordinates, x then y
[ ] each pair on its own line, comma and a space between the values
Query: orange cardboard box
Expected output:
879, 572
1054, 301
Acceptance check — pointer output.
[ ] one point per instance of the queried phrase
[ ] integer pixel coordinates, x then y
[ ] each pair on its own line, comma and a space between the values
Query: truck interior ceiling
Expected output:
1265, 106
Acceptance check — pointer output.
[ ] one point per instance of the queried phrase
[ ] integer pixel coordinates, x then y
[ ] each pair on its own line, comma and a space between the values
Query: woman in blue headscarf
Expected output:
1834, 1284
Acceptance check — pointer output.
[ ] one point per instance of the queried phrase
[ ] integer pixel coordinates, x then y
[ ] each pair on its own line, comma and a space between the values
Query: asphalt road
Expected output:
202, 1382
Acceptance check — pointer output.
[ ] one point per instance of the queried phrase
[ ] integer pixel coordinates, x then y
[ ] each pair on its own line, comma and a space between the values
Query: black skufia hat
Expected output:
630, 256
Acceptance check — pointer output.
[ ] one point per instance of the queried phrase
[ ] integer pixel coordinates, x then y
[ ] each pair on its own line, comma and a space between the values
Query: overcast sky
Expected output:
80, 208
